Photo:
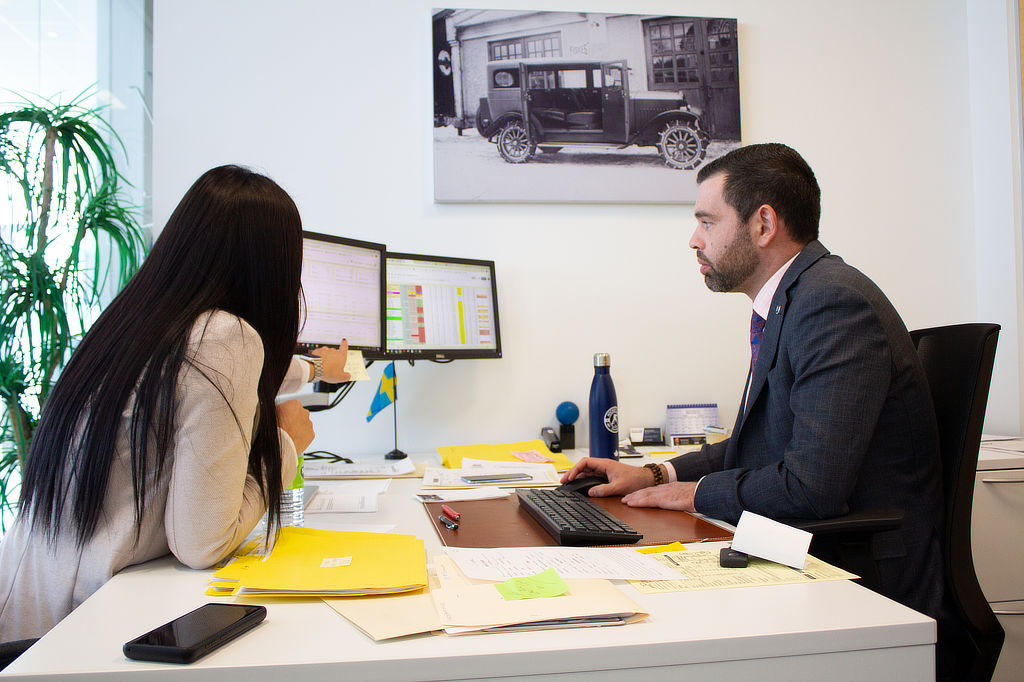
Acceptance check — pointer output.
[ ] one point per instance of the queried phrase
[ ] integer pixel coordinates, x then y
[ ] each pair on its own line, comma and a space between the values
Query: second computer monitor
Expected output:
441, 308
342, 284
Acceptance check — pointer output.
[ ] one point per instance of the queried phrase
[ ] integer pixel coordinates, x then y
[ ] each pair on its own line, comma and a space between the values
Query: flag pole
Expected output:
396, 453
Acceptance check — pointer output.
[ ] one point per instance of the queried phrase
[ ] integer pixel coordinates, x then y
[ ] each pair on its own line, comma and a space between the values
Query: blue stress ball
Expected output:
567, 412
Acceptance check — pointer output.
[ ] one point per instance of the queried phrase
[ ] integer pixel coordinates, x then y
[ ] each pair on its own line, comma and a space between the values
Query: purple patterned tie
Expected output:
756, 334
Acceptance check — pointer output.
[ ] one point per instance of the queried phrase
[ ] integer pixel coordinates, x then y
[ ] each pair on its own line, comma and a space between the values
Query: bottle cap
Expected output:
602, 360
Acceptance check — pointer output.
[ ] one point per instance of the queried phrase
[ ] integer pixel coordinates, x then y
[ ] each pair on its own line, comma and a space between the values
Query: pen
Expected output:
448, 522
450, 513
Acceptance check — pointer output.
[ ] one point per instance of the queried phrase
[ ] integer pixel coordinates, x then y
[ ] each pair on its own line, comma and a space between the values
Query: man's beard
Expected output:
738, 262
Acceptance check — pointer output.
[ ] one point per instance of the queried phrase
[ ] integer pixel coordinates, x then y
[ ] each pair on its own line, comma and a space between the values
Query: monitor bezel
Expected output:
446, 354
369, 352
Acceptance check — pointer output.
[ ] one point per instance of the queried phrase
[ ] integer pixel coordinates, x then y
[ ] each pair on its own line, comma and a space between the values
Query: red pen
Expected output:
450, 513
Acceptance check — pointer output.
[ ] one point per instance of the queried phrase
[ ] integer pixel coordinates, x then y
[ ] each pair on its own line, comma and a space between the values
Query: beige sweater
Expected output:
202, 504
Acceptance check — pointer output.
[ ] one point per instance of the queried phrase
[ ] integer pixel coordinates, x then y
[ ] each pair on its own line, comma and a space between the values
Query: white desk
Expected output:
833, 630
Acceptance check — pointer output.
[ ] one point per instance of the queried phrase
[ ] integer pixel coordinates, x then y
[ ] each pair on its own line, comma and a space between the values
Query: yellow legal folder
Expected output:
311, 562
451, 455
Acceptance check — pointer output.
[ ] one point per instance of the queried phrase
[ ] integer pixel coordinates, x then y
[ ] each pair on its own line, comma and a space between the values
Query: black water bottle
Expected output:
604, 410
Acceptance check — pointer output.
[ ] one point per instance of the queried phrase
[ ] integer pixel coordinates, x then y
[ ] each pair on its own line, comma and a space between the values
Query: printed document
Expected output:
465, 606
703, 572
570, 562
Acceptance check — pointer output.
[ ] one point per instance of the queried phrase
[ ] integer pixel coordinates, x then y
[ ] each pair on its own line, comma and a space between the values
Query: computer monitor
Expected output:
441, 308
343, 286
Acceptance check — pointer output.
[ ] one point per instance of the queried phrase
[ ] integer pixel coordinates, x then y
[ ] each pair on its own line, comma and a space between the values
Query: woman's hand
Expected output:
294, 419
334, 363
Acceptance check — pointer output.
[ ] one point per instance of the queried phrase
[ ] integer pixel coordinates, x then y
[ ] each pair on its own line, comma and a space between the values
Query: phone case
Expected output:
140, 650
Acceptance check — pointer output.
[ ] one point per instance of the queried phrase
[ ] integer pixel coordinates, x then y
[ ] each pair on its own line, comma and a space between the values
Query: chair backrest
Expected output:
958, 362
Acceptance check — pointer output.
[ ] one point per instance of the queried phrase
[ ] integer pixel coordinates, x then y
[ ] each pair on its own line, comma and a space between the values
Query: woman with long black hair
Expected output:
162, 433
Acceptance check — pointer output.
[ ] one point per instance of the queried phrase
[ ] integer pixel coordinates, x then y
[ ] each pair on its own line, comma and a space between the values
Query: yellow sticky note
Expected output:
544, 584
658, 549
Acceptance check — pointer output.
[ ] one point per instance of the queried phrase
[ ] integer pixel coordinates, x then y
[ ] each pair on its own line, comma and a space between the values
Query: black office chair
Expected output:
958, 362
11, 650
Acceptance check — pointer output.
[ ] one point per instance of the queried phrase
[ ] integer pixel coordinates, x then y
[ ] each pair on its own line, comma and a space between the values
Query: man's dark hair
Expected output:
772, 174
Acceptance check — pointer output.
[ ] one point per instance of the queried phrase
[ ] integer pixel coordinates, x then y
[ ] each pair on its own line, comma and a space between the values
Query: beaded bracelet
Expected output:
659, 475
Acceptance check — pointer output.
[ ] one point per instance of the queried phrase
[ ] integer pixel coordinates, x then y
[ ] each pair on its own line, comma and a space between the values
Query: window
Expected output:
545, 45
59, 49
613, 76
506, 78
541, 80
672, 45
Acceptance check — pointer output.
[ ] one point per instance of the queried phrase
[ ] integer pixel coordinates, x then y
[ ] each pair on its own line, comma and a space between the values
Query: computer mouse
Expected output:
582, 484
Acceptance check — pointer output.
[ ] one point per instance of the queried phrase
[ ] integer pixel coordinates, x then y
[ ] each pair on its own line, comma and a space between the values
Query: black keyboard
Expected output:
575, 520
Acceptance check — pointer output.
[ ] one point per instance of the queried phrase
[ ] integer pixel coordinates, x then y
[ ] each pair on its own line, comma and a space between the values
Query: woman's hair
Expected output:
234, 243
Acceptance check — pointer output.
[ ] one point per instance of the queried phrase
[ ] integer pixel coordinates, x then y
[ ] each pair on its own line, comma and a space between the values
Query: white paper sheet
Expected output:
312, 469
570, 562
335, 502
761, 537
337, 522
461, 495
355, 365
357, 486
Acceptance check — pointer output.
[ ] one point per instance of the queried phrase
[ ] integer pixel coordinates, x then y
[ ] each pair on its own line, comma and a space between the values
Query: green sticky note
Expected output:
545, 584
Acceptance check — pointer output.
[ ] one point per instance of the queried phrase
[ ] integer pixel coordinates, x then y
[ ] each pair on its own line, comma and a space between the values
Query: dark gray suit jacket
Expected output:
839, 419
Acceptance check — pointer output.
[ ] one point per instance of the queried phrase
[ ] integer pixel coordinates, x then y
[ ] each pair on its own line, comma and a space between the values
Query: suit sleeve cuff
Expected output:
695, 488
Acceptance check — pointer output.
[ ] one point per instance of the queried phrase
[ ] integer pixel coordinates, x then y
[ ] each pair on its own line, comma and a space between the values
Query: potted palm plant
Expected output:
66, 235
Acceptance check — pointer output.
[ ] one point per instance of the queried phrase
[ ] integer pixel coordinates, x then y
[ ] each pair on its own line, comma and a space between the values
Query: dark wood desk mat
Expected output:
501, 523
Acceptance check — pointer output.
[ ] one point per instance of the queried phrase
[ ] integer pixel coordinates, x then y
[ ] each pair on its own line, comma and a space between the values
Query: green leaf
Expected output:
48, 295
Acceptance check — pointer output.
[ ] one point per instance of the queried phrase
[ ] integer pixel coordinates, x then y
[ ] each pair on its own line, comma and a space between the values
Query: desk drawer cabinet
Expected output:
997, 535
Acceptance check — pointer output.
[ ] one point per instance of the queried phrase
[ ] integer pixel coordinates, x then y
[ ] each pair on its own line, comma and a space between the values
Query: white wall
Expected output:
334, 101
994, 62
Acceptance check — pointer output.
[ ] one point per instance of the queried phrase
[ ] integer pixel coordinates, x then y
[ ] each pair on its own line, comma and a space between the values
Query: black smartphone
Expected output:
190, 637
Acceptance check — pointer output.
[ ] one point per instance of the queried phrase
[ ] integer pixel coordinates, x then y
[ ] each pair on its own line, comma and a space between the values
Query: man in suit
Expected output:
836, 416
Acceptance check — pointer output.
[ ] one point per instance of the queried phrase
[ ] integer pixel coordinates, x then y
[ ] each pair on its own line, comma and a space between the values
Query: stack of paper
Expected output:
506, 475
524, 451
311, 562
466, 606
320, 469
460, 602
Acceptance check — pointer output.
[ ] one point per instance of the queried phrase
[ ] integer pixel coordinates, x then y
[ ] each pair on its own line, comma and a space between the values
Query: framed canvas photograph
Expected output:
534, 106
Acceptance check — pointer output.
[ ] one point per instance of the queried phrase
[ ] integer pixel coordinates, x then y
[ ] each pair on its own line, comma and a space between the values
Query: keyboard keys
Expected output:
572, 519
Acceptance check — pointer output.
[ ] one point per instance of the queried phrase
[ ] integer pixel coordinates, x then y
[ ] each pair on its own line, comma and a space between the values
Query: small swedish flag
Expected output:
387, 392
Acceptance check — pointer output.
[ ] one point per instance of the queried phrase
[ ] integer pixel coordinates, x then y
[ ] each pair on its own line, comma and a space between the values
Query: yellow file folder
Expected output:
311, 562
451, 455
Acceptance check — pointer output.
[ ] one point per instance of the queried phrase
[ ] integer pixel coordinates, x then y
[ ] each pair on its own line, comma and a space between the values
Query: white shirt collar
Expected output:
763, 300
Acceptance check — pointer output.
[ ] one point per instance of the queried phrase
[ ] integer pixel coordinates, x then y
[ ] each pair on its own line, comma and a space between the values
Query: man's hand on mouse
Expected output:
622, 478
